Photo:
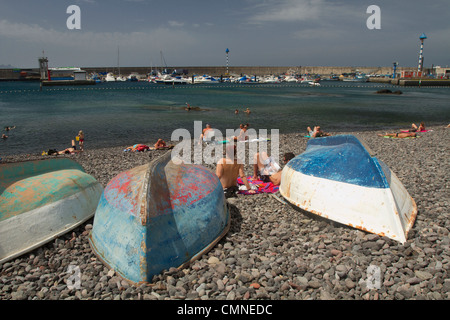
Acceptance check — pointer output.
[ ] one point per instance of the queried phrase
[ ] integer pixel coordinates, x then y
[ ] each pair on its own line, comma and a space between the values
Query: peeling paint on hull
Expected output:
158, 216
338, 179
40, 201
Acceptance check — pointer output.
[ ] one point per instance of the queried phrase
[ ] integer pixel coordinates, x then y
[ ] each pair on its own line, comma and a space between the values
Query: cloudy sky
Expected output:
197, 32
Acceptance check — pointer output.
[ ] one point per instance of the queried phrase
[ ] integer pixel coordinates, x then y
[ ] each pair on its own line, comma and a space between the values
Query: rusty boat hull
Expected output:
41, 200
158, 216
338, 178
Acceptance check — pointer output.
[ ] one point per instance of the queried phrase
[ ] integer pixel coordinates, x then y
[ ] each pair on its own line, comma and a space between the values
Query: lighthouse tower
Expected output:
422, 38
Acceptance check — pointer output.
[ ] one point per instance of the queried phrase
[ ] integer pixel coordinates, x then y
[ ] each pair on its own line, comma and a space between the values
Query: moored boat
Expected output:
41, 200
158, 216
338, 179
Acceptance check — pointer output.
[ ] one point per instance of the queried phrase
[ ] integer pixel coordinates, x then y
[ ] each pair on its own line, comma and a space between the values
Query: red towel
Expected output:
263, 187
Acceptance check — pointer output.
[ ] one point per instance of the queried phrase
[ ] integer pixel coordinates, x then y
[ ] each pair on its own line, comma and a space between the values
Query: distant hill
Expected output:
4, 66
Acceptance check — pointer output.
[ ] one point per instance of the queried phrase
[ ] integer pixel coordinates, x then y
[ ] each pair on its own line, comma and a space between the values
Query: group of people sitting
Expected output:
265, 168
208, 132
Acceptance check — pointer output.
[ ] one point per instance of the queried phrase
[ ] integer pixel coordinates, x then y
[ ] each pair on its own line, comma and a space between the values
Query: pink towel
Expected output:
263, 187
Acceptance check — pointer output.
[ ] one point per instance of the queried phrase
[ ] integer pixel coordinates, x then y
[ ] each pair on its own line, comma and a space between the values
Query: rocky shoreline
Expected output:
272, 251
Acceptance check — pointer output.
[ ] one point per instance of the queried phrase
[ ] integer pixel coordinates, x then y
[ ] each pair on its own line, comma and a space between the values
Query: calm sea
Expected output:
126, 113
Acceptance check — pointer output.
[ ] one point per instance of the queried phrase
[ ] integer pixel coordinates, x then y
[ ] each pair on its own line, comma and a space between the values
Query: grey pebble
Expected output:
272, 250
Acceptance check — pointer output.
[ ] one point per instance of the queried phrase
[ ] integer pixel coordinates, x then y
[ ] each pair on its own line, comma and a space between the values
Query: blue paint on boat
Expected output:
158, 216
340, 158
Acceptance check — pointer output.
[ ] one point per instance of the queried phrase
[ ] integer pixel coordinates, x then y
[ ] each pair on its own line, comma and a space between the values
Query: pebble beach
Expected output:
272, 251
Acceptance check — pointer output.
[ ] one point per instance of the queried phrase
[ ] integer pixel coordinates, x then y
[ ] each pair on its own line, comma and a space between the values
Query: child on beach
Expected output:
80, 139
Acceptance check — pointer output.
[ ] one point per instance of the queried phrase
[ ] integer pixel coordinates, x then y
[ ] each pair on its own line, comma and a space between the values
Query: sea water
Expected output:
126, 113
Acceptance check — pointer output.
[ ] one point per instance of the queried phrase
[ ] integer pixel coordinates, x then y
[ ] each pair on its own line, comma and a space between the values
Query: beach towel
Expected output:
389, 137
416, 131
262, 187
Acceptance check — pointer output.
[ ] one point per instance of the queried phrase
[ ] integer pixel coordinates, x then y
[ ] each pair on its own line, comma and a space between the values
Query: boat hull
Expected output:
158, 216
338, 179
40, 201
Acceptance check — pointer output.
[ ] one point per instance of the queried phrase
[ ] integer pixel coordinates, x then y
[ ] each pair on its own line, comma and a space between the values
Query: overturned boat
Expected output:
41, 200
158, 216
337, 178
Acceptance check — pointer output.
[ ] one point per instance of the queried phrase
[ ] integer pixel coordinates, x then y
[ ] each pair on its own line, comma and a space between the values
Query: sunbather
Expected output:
70, 150
137, 147
267, 169
317, 132
228, 169
399, 135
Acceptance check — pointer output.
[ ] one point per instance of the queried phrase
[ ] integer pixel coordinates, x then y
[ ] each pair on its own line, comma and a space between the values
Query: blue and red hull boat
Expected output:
158, 216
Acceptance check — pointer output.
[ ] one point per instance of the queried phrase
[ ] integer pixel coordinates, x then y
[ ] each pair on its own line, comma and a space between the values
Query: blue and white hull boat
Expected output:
338, 179
41, 200
158, 216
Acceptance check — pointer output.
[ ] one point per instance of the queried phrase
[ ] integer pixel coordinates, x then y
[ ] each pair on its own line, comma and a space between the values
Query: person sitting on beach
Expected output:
203, 135
243, 135
399, 135
160, 144
267, 170
414, 128
228, 169
80, 139
247, 111
188, 108
317, 132
236, 111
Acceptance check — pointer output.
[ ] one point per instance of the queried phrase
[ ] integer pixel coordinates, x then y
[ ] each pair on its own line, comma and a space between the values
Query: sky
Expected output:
139, 33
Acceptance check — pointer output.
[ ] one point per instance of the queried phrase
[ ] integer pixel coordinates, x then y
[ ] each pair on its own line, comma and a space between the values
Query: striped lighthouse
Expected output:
422, 38
227, 52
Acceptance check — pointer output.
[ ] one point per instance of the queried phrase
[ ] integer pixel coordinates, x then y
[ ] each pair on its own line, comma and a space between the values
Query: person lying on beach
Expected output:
267, 170
4, 136
228, 169
137, 147
317, 132
71, 150
399, 135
